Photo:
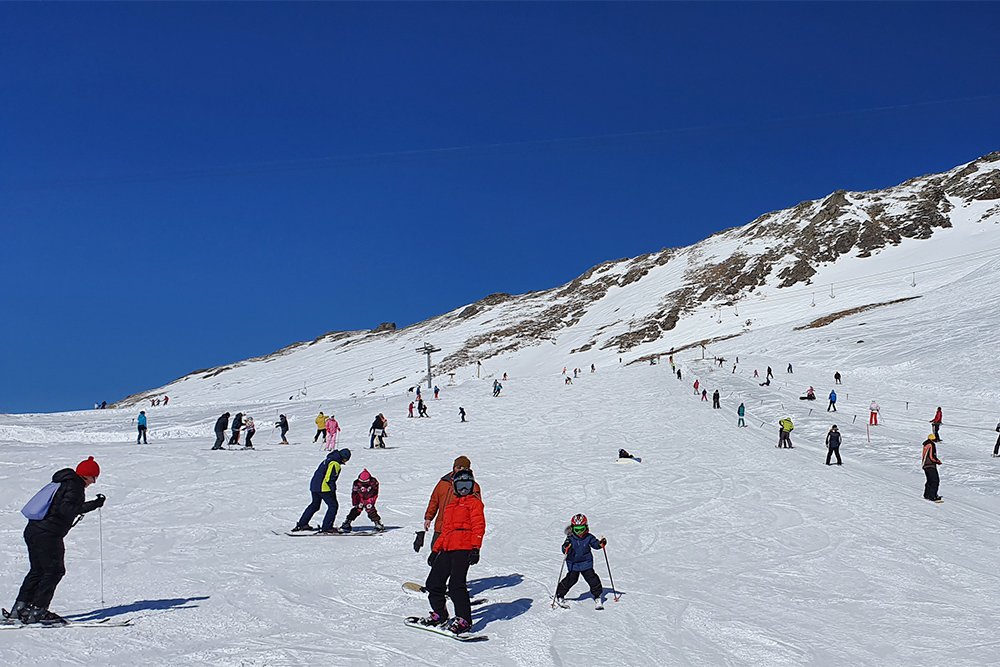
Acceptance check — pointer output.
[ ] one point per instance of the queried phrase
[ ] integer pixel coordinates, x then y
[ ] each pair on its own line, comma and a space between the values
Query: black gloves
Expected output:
418, 542
431, 557
100, 501
473, 556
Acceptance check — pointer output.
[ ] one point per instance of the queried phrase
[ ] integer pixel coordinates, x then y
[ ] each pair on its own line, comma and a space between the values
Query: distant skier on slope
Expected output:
996, 448
836, 378
833, 401
323, 487
833, 444
936, 425
785, 433
282, 424
715, 400
579, 560
332, 429
44, 538
930, 462
377, 431
221, 424
364, 495
874, 409
741, 411
770, 373
320, 426
461, 413
704, 395
250, 429
142, 428
237, 427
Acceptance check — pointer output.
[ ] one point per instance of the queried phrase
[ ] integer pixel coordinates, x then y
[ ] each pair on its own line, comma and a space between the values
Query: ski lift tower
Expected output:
428, 349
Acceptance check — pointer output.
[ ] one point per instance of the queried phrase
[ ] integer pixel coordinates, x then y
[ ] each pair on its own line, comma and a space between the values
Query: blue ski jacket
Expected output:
579, 556
325, 477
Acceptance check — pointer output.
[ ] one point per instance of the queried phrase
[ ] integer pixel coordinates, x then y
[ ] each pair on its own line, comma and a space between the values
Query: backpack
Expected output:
36, 508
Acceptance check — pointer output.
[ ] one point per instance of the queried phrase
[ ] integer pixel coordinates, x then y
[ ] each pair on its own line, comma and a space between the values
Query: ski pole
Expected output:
559, 579
610, 576
100, 531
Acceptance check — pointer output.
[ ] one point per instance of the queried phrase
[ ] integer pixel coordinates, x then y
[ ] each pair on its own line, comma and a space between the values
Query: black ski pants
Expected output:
320, 433
372, 514
996, 448
235, 440
284, 432
141, 436
715, 402
931, 486
784, 439
596, 588
47, 556
318, 498
832, 406
220, 439
451, 567
936, 428
830, 452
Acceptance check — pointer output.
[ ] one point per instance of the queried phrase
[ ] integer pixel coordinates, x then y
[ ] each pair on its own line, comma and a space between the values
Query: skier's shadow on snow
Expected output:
138, 605
477, 586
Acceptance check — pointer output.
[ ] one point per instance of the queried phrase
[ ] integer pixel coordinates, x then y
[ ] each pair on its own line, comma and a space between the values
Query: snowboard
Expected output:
412, 622
355, 532
417, 590
630, 459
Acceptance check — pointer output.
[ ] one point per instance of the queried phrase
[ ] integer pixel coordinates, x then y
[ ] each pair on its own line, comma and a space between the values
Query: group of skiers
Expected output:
242, 424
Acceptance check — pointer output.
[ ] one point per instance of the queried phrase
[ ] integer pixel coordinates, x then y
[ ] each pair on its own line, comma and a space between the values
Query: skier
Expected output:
936, 425
323, 487
283, 425
320, 426
704, 395
332, 429
696, 387
442, 495
833, 401
567, 380
504, 377
715, 400
580, 560
461, 413
755, 375
250, 428
458, 547
836, 378
221, 424
377, 431
734, 369
237, 427
418, 392
436, 390
166, 399
142, 428
874, 409
593, 368
497, 388
678, 374
930, 464
766, 382
741, 411
364, 495
422, 408
770, 374
833, 444
44, 538
785, 433
996, 448
789, 368
410, 414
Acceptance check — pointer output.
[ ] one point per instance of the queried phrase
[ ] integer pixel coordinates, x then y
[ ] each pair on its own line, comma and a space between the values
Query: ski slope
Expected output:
725, 550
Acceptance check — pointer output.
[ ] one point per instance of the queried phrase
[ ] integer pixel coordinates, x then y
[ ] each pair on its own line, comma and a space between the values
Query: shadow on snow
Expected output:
138, 605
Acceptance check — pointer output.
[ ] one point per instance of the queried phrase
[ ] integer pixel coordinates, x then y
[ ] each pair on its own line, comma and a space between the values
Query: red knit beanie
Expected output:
88, 468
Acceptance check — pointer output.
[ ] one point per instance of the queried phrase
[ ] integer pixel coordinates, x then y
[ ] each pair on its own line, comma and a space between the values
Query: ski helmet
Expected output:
579, 524
463, 482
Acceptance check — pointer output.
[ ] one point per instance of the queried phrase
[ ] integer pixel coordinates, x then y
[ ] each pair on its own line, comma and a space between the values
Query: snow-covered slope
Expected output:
725, 550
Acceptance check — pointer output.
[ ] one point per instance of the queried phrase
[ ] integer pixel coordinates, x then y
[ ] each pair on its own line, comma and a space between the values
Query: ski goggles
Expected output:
463, 487
580, 529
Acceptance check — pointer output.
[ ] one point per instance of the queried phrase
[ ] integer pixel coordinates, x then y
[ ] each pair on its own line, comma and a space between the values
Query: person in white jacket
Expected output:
873, 420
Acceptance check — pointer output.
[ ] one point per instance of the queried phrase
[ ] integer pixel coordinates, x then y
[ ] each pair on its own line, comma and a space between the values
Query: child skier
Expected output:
579, 560
364, 495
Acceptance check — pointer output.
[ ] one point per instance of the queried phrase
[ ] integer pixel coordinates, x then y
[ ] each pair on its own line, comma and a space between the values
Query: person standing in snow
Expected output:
704, 395
46, 549
442, 495
789, 368
377, 431
283, 425
996, 448
836, 378
436, 390
142, 428
833, 401
462, 528
461, 413
874, 409
497, 388
696, 387
715, 400
785, 433
364, 495
332, 429
323, 487
221, 424
237, 427
593, 368
421, 408
250, 429
833, 444
936, 425
166, 399
755, 375
579, 560
678, 374
411, 410
930, 463
320, 426
741, 411
770, 374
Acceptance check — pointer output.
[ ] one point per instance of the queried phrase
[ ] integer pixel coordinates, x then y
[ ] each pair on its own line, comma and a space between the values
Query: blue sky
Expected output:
184, 185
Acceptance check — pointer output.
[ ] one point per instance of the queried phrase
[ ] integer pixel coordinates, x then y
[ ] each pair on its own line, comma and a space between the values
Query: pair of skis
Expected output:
6, 623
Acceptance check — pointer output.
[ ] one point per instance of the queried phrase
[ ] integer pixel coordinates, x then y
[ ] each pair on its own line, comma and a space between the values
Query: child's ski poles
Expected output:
610, 576
565, 556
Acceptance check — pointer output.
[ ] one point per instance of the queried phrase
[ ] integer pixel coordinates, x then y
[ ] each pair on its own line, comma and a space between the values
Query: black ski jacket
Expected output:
238, 421
223, 423
68, 503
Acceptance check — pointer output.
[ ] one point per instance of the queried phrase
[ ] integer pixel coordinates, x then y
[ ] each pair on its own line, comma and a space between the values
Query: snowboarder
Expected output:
237, 427
364, 495
810, 395
250, 429
461, 413
332, 429
833, 444
766, 382
930, 464
580, 560
320, 426
283, 425
442, 495
833, 401
936, 425
836, 378
622, 454
874, 409
785, 433
436, 390
741, 411
142, 428
715, 400
221, 424
377, 431
323, 487
44, 538
453, 553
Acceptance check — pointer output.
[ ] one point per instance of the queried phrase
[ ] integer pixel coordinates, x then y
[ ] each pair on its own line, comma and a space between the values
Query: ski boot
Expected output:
379, 527
331, 530
433, 619
43, 617
298, 529
460, 626
597, 604
346, 527
16, 614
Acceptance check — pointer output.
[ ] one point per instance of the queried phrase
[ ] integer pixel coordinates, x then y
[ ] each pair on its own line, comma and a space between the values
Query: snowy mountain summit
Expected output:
797, 267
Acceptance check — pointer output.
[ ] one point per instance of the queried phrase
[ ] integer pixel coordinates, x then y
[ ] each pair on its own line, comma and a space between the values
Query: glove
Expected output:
431, 557
418, 542
100, 500
565, 547
603, 542
473, 556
